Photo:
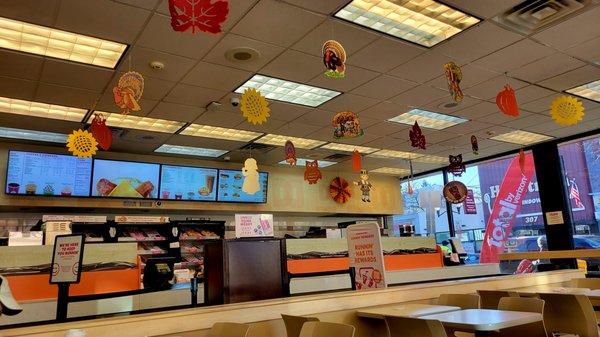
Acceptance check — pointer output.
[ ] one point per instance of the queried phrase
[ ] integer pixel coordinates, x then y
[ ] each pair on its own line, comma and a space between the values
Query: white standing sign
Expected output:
67, 258
249, 225
366, 255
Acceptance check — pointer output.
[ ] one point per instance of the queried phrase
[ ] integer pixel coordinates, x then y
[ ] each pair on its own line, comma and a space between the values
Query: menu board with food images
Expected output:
188, 183
48, 174
230, 187
122, 179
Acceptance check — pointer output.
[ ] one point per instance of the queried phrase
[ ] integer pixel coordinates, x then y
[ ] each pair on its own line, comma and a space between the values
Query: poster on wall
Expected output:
67, 257
366, 255
469, 203
252, 225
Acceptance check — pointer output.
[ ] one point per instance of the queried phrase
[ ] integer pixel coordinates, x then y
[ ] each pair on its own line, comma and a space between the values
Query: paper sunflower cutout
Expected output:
334, 57
82, 144
129, 91
566, 110
453, 77
254, 106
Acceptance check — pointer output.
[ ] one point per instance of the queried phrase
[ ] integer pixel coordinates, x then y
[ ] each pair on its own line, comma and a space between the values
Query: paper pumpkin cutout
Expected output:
455, 192
339, 190
346, 125
82, 144
365, 186
312, 173
417, 138
129, 91
566, 110
356, 161
334, 58
254, 106
250, 173
474, 145
204, 15
456, 166
290, 153
101, 132
506, 100
522, 160
453, 77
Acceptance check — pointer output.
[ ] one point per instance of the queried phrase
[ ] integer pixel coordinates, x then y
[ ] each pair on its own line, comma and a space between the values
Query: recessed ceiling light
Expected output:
40, 40
590, 91
190, 151
428, 119
43, 110
521, 137
302, 162
40, 136
425, 22
141, 123
287, 91
279, 140
394, 154
348, 148
207, 131
391, 170
431, 159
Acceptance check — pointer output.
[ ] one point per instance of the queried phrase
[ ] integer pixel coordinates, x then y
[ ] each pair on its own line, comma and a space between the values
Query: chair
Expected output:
464, 301
590, 283
293, 324
491, 298
414, 327
527, 305
227, 329
569, 314
326, 329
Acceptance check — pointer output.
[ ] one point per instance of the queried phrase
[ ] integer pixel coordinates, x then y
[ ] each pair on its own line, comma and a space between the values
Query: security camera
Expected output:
235, 101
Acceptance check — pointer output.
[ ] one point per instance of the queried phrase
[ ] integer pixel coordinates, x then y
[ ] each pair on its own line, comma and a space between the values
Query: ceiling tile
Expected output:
419, 96
572, 78
75, 75
514, 56
68, 96
146, 4
387, 128
286, 111
351, 37
176, 112
192, 95
499, 118
230, 41
527, 121
37, 123
297, 129
589, 50
547, 67
383, 87
317, 117
541, 105
572, 32
477, 111
34, 11
378, 55
215, 117
324, 7
483, 9
214, 76
354, 77
155, 88
490, 88
107, 104
268, 127
467, 127
348, 102
20, 65
324, 134
175, 66
385, 110
447, 105
294, 66
531, 93
423, 68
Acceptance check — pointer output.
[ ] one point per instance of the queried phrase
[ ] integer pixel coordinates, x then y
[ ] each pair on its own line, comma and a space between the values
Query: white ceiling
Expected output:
385, 76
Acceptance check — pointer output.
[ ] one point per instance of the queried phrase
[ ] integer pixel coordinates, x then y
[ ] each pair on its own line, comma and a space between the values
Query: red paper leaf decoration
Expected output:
507, 101
356, 161
101, 132
417, 139
205, 15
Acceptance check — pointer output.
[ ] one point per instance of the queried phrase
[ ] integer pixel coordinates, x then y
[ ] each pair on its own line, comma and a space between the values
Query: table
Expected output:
484, 321
529, 291
405, 310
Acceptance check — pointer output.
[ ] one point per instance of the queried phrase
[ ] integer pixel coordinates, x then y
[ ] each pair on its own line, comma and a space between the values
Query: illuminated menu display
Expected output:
230, 187
48, 174
123, 179
188, 183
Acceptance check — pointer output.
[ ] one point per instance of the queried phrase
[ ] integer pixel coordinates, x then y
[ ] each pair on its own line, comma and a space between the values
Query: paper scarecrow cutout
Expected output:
339, 190
312, 173
566, 110
129, 91
365, 186
254, 106
250, 173
474, 145
101, 132
204, 15
456, 166
346, 125
455, 192
334, 58
356, 161
522, 160
417, 138
453, 77
507, 101
82, 144
290, 153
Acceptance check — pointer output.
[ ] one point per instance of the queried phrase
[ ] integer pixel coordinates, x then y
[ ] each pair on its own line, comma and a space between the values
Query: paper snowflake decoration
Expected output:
82, 144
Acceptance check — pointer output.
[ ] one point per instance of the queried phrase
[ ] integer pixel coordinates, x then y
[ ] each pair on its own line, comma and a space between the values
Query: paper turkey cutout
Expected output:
453, 77
334, 57
128, 92
250, 173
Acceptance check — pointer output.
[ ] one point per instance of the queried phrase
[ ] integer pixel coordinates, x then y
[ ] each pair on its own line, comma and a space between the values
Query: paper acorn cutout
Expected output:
506, 100
417, 139
82, 144
254, 106
129, 91
101, 132
334, 58
339, 190
453, 77
204, 15
567, 110
290, 153
312, 174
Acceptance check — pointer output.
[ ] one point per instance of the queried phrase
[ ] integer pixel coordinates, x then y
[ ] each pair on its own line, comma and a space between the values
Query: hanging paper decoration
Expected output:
455, 192
129, 91
254, 106
410, 189
82, 144
356, 161
101, 132
290, 153
346, 125
522, 160
365, 186
474, 145
204, 15
506, 100
312, 173
453, 77
566, 110
456, 166
334, 58
417, 138
250, 173
339, 190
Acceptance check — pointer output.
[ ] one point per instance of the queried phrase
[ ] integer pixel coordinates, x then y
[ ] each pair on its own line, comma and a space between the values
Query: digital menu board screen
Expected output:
230, 187
188, 183
123, 179
48, 174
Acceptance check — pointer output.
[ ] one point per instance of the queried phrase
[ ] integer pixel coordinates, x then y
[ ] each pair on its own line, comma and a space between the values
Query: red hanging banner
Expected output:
506, 208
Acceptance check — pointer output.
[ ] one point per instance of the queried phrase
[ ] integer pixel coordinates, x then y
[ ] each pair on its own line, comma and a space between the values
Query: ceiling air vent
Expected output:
263, 148
338, 157
532, 15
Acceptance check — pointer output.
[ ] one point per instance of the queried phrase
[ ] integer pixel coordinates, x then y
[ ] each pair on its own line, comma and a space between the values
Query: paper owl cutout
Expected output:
339, 190
346, 125
204, 15
82, 144
506, 100
334, 58
365, 186
290, 153
453, 77
417, 139
474, 145
101, 132
566, 110
312, 173
356, 161
254, 106
129, 91
456, 166
250, 173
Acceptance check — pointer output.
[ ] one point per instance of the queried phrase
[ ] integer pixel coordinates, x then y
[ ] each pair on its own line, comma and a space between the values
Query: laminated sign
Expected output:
249, 225
66, 259
366, 255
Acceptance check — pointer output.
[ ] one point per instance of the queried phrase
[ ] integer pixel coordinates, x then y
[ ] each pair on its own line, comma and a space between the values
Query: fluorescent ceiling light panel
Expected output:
40, 40
40, 136
43, 110
287, 91
590, 91
279, 140
428, 119
302, 162
140, 123
428, 159
348, 148
391, 170
394, 154
425, 22
207, 131
521, 137
190, 151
